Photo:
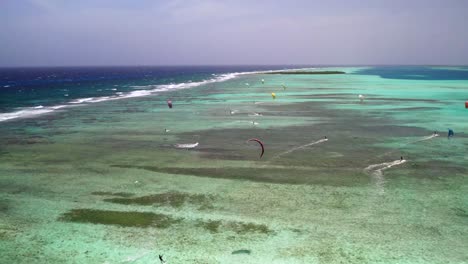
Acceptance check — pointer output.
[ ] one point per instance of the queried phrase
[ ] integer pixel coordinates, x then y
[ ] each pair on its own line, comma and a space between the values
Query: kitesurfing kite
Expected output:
169, 103
259, 142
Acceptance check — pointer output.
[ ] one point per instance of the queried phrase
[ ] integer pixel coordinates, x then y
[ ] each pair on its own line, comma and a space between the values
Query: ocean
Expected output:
32, 91
357, 167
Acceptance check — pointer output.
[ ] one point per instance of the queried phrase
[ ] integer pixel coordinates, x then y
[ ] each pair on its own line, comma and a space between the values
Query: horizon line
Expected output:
224, 65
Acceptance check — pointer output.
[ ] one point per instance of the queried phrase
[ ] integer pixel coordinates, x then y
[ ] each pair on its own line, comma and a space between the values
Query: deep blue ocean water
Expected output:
417, 72
31, 91
35, 87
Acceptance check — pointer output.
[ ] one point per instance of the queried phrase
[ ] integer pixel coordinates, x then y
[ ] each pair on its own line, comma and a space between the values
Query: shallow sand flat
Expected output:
104, 183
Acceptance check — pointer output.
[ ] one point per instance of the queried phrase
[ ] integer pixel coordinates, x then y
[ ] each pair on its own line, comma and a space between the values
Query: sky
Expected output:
232, 32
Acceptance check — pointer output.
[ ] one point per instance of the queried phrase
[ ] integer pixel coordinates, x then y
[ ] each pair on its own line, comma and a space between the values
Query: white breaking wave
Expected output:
58, 107
144, 91
24, 113
244, 121
82, 100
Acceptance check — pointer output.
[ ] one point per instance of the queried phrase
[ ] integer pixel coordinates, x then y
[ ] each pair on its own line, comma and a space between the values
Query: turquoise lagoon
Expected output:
103, 183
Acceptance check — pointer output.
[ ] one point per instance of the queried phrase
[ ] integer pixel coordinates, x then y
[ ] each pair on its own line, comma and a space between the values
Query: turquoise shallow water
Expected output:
103, 182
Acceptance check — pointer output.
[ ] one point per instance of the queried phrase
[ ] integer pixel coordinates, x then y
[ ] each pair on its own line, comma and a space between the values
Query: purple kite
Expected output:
259, 142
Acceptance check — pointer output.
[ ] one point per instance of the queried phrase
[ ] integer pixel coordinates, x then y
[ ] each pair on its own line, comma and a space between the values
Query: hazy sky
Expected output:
164, 32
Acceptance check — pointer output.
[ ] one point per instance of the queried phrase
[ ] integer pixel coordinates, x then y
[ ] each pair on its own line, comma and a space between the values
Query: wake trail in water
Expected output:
301, 147
377, 169
186, 146
409, 143
423, 139
136, 257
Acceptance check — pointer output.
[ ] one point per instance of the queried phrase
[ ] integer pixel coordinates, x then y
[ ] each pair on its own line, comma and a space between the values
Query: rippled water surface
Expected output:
103, 181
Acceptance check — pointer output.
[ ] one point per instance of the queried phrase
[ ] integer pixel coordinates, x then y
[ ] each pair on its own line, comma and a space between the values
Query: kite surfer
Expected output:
450, 133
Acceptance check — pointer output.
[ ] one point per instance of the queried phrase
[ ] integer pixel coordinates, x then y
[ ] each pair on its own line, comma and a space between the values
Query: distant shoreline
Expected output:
305, 72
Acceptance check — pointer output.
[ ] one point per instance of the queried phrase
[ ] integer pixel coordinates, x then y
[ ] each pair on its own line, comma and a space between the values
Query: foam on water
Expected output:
143, 91
301, 147
186, 145
377, 169
410, 142
136, 257
82, 100
425, 138
25, 113
58, 107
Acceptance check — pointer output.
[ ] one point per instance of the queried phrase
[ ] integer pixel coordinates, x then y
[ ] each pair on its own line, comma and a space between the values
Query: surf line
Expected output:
301, 147
377, 169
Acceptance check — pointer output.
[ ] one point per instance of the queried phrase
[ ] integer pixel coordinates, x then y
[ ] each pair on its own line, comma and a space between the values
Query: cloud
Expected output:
46, 5
226, 32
